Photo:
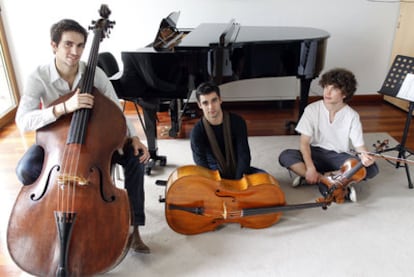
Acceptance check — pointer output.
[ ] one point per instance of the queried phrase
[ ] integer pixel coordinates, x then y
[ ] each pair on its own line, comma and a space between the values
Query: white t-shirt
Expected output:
346, 128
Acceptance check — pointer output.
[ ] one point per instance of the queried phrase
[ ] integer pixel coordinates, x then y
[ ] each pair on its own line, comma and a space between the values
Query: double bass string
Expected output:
71, 155
68, 178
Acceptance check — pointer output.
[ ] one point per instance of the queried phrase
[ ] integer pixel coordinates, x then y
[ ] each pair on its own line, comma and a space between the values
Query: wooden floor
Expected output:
270, 118
263, 119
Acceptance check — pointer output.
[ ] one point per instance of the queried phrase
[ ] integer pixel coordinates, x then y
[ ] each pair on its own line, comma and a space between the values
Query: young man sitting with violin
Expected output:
326, 129
60, 77
219, 140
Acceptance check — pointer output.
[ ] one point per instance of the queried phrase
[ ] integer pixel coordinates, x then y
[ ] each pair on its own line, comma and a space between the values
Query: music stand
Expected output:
399, 83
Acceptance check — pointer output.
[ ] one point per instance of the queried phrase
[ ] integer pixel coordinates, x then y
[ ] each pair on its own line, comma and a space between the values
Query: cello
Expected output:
197, 200
73, 221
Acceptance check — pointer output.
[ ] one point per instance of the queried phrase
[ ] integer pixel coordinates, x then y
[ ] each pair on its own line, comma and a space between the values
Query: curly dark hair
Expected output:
66, 25
342, 79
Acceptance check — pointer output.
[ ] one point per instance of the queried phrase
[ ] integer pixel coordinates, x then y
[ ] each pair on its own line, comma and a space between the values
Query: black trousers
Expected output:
30, 166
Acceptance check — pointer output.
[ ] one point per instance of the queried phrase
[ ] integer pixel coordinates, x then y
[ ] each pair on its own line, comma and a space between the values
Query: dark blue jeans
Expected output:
30, 166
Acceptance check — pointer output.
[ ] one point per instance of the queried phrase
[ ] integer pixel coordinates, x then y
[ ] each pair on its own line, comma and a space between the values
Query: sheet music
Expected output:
407, 88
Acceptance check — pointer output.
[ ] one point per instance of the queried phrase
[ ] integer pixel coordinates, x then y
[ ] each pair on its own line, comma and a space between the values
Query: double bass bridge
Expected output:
63, 180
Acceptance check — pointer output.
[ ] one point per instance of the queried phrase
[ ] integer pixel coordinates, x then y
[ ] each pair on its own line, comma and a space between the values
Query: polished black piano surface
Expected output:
179, 59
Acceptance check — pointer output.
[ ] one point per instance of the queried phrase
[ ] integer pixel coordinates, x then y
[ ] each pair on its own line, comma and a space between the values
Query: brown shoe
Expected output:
137, 244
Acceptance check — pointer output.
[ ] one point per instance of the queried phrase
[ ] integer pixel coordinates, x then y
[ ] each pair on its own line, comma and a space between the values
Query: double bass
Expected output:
73, 221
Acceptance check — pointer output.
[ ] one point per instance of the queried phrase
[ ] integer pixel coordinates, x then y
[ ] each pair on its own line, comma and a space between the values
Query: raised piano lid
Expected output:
208, 35
257, 34
167, 32
171, 20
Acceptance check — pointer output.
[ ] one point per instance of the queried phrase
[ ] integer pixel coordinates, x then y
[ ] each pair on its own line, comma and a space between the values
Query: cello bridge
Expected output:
224, 214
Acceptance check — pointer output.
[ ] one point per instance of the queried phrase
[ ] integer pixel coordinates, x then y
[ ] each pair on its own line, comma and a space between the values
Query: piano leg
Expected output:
304, 94
303, 101
175, 110
150, 107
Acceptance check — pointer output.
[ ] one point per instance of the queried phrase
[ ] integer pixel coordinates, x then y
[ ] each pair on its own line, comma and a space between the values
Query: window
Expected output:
9, 95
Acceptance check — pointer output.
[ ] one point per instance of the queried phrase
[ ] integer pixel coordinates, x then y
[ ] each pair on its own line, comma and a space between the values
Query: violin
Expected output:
352, 171
198, 200
73, 221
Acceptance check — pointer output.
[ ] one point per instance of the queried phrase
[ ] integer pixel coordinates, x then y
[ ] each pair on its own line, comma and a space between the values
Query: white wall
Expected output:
361, 31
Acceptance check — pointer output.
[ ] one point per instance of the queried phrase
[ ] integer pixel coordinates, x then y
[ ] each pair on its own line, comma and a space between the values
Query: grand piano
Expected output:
179, 59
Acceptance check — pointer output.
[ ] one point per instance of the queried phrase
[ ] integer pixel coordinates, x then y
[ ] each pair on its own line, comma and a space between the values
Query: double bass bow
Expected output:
73, 221
197, 200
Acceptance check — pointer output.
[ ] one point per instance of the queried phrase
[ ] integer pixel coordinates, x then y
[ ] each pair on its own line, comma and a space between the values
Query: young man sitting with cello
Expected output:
219, 140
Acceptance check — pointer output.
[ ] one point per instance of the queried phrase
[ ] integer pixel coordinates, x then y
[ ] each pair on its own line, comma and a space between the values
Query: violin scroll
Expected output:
381, 146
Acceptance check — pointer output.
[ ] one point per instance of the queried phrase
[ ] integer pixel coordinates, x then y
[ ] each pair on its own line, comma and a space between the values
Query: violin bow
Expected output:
379, 148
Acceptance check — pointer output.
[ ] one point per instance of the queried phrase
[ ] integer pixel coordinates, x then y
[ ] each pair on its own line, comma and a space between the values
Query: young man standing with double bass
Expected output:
60, 77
